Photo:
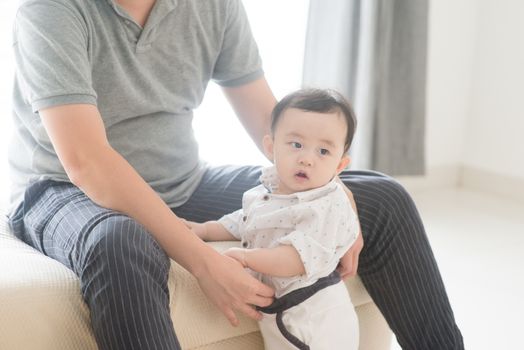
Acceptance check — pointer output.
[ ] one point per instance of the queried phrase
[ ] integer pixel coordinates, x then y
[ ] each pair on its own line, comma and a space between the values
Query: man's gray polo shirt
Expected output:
145, 81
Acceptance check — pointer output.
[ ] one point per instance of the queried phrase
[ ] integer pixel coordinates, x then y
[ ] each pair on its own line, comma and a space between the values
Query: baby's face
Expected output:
307, 149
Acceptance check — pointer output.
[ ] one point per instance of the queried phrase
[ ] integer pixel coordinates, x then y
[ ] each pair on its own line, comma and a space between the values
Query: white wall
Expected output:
494, 139
451, 37
475, 120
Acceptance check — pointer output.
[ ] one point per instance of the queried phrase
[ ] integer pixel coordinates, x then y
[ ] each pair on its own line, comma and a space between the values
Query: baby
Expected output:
298, 223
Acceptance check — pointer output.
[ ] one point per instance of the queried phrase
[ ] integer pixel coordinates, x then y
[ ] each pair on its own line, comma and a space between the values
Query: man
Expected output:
105, 163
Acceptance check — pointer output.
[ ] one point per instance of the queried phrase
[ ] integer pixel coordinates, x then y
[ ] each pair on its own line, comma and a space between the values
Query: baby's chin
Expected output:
295, 189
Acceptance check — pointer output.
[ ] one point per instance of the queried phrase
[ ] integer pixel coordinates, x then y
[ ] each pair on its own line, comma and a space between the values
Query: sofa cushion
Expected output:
40, 300
42, 308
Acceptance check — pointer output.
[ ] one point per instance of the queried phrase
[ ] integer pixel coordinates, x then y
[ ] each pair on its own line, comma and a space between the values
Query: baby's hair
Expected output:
317, 100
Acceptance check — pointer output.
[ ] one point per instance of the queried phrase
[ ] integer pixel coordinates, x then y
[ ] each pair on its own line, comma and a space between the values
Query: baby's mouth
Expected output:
301, 175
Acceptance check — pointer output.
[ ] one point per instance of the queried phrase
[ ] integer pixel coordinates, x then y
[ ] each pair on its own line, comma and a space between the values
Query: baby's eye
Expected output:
324, 151
296, 145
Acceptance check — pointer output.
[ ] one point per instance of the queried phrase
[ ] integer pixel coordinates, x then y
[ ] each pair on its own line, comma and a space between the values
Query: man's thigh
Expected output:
57, 218
221, 189
219, 193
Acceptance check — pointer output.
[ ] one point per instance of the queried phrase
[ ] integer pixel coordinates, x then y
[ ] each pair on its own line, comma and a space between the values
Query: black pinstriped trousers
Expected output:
123, 271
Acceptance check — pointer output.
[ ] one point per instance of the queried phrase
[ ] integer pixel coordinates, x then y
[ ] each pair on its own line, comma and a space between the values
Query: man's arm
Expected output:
79, 139
78, 136
253, 104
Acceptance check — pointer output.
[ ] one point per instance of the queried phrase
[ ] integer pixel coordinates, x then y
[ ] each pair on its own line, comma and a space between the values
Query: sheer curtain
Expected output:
7, 10
374, 52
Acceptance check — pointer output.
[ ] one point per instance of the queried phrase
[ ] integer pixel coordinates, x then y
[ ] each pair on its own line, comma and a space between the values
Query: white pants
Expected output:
325, 321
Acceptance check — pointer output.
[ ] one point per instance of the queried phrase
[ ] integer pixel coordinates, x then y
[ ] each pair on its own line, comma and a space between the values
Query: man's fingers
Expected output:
232, 289
348, 266
347, 274
260, 301
264, 290
230, 314
354, 266
345, 270
250, 312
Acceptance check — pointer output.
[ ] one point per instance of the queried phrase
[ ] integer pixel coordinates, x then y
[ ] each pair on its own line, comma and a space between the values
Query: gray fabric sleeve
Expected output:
239, 61
50, 47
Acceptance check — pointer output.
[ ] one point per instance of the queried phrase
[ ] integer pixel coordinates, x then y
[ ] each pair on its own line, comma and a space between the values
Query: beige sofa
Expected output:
41, 308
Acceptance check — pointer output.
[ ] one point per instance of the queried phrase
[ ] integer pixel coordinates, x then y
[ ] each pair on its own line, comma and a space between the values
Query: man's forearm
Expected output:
110, 181
281, 261
253, 104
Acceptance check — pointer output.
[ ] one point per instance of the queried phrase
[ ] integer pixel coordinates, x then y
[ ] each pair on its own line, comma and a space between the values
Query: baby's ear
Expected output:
344, 162
267, 142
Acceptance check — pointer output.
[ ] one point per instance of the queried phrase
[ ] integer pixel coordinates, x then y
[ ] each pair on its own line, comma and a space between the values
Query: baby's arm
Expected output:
281, 261
210, 231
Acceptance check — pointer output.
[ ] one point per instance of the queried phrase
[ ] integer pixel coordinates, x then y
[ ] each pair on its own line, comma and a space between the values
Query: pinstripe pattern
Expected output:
123, 271
397, 265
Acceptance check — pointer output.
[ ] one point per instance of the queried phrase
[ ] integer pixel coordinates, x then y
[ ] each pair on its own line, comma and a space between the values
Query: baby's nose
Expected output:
306, 160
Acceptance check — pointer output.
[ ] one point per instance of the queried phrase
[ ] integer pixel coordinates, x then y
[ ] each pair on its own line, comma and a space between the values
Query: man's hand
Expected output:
348, 264
225, 282
239, 254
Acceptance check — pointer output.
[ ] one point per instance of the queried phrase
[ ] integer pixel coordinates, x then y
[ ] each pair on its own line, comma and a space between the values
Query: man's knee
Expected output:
382, 199
121, 248
388, 217
393, 195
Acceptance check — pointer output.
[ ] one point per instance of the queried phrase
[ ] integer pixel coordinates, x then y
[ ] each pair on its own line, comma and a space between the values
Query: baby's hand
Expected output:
239, 254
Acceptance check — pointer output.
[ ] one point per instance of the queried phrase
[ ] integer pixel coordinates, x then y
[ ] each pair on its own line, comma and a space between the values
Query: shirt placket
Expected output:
143, 38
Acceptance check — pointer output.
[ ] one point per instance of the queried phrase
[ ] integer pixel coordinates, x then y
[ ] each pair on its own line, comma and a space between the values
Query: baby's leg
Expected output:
327, 320
333, 322
273, 338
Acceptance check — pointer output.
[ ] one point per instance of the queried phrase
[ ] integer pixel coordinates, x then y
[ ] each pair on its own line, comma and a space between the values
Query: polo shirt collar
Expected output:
168, 2
158, 13
161, 9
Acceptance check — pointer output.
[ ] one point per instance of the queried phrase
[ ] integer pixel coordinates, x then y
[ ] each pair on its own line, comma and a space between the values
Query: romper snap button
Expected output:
244, 218
244, 244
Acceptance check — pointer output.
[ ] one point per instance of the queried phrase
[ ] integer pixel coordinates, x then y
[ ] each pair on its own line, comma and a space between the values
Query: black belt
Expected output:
293, 299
